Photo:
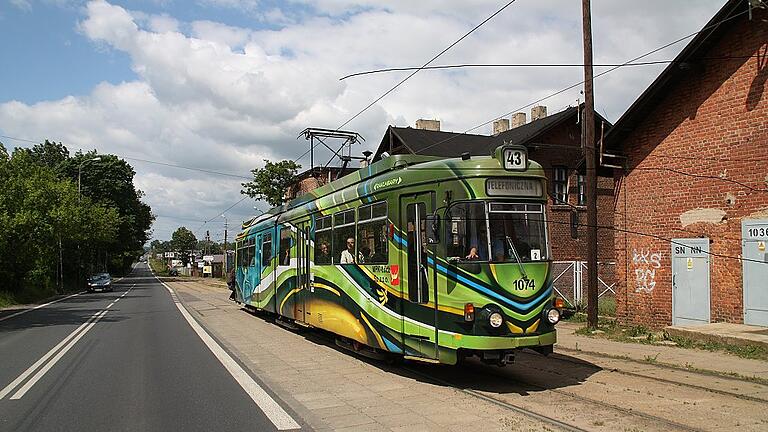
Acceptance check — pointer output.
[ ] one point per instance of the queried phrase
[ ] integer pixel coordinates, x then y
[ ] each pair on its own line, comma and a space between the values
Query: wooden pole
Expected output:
589, 154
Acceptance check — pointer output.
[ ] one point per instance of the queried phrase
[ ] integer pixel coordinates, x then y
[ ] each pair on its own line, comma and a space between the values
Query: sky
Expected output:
221, 85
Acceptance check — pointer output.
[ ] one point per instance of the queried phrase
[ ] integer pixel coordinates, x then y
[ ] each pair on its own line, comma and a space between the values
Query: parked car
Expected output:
99, 281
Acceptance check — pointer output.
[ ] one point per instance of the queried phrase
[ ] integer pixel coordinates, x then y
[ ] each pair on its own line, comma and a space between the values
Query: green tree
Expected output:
44, 225
110, 181
183, 240
271, 182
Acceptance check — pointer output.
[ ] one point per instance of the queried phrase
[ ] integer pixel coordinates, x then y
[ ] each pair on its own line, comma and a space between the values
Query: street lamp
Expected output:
79, 172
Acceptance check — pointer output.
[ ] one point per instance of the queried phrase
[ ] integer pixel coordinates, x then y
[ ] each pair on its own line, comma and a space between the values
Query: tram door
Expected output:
419, 289
303, 271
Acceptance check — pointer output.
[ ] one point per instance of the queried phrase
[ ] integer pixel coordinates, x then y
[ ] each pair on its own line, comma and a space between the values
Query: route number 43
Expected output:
515, 159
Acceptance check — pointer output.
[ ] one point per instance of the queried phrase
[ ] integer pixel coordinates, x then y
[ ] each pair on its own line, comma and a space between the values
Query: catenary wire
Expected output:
655, 50
148, 161
401, 82
535, 65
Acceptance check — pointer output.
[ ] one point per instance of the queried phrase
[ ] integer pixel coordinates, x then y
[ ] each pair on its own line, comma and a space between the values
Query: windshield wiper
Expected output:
517, 257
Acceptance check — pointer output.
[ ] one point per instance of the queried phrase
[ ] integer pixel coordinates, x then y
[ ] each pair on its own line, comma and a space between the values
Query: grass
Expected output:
32, 294
6, 299
640, 334
158, 266
606, 307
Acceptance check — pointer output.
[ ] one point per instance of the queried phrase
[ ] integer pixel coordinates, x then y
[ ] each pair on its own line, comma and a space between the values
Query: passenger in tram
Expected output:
324, 257
348, 255
472, 256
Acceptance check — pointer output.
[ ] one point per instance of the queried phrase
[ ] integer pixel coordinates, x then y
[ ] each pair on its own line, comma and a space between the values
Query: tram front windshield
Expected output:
496, 232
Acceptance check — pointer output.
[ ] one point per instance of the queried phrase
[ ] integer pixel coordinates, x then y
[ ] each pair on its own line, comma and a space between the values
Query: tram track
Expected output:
661, 380
483, 372
504, 404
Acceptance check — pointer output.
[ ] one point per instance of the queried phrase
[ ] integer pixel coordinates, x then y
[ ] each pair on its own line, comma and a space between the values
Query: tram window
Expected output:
323, 241
286, 237
344, 237
466, 232
372, 233
517, 235
266, 250
418, 286
252, 251
239, 250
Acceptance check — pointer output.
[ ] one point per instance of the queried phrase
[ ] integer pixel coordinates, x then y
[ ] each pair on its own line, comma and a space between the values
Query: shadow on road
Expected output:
531, 372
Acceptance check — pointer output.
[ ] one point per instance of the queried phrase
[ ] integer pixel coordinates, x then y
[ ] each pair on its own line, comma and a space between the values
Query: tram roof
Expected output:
377, 168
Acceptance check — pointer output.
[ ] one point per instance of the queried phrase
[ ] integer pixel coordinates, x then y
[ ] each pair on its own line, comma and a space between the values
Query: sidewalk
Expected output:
666, 355
737, 334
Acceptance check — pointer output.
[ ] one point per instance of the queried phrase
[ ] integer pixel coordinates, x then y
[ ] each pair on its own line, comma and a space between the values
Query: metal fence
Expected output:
570, 280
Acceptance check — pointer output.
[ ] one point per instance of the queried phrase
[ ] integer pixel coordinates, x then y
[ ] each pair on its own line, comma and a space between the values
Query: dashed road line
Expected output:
47, 304
57, 352
274, 412
39, 306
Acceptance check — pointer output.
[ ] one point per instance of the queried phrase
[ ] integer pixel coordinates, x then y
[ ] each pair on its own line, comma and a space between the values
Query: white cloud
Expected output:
220, 97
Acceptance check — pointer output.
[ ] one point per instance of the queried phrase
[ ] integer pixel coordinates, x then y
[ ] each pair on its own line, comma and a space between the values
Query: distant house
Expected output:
312, 179
692, 203
554, 141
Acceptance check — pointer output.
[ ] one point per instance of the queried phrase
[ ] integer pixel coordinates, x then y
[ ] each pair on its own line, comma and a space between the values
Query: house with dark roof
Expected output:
691, 221
554, 141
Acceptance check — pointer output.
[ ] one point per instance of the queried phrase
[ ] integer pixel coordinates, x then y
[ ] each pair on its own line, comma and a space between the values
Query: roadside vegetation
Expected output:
611, 329
53, 234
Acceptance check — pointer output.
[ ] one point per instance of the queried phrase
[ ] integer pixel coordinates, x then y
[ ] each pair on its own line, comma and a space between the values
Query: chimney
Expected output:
538, 112
500, 126
433, 125
518, 119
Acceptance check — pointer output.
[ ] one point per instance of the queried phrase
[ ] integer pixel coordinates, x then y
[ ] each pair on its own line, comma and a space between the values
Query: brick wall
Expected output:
712, 123
564, 247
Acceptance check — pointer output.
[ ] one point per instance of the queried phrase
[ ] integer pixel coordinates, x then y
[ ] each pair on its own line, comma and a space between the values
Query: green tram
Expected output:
430, 258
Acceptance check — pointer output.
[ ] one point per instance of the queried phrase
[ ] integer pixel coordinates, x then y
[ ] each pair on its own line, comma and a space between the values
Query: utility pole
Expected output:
226, 256
589, 154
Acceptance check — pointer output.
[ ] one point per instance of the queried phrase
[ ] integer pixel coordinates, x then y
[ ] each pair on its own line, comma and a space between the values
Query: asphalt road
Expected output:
91, 363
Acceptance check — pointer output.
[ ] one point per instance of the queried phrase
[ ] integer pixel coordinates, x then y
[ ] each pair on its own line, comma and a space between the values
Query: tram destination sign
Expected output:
525, 187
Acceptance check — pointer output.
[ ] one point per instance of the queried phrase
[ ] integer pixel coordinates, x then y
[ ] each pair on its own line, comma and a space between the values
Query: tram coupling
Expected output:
498, 357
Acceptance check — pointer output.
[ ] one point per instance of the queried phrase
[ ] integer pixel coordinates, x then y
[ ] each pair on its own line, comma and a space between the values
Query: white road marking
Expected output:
45, 357
39, 306
274, 412
32, 381
46, 304
69, 341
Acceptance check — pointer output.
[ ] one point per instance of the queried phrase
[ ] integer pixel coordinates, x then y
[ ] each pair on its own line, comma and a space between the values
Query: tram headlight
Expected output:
553, 316
495, 320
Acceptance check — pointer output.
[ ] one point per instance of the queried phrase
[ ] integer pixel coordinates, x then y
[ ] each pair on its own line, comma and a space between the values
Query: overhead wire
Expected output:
401, 82
565, 89
533, 65
147, 161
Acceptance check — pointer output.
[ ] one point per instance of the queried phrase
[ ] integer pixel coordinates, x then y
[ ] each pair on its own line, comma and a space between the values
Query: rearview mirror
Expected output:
433, 228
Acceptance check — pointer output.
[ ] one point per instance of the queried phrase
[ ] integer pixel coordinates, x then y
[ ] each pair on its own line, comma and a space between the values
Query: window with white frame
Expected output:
560, 184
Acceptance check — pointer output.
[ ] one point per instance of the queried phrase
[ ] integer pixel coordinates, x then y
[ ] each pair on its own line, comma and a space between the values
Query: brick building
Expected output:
313, 178
692, 203
554, 141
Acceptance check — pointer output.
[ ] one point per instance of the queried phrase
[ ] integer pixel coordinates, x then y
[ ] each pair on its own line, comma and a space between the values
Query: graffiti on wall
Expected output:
645, 264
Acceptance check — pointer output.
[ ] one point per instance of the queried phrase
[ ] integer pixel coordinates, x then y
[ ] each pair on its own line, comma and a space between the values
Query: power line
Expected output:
401, 82
149, 161
582, 81
426, 64
532, 65
221, 213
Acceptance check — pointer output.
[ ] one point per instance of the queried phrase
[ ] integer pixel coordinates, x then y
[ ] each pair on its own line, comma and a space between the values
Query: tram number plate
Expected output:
524, 284
515, 159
